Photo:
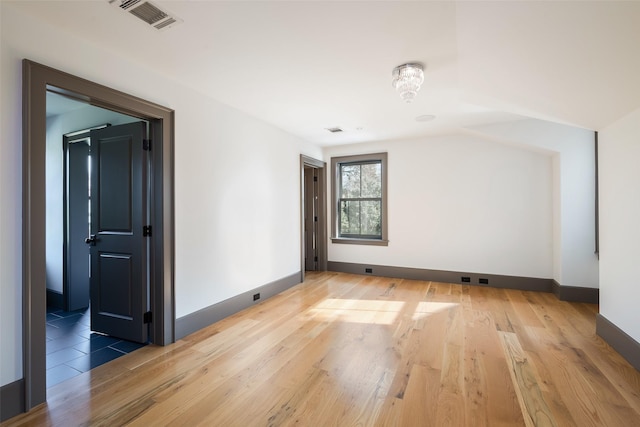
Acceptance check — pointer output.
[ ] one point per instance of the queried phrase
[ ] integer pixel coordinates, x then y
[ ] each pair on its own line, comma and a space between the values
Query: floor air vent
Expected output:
148, 12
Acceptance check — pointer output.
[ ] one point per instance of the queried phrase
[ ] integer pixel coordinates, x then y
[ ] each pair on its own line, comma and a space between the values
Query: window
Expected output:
360, 199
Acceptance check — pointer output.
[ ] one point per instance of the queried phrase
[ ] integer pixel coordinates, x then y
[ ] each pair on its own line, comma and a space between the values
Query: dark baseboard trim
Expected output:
55, 299
11, 400
195, 321
619, 340
575, 293
476, 279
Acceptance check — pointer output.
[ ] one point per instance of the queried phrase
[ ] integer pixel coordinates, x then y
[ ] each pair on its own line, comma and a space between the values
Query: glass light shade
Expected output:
407, 79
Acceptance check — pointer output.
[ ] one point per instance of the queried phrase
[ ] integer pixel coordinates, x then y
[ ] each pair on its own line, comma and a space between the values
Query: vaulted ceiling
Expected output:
305, 66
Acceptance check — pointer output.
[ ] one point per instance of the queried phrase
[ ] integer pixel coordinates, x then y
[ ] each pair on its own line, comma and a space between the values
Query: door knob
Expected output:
91, 240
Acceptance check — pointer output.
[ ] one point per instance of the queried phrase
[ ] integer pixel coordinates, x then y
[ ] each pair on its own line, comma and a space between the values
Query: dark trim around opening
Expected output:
335, 191
321, 166
597, 197
36, 80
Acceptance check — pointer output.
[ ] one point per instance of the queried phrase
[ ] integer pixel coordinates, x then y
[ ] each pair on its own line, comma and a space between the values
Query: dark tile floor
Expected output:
73, 349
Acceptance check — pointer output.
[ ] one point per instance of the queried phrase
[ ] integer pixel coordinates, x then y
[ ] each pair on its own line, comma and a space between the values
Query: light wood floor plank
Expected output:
535, 409
420, 398
344, 349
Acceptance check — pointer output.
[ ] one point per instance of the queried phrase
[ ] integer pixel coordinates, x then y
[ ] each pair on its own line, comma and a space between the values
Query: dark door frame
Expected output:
36, 80
321, 238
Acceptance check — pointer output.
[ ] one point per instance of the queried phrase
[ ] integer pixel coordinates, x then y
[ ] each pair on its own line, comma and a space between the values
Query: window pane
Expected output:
361, 218
349, 217
371, 176
350, 181
371, 218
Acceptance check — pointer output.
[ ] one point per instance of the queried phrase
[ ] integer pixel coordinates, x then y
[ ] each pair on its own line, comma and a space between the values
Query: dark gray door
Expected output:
77, 224
117, 244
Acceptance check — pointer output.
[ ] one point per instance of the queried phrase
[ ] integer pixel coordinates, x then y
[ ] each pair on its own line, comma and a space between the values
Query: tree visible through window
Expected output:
359, 196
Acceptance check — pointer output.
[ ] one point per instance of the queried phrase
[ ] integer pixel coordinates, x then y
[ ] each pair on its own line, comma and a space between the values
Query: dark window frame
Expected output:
336, 164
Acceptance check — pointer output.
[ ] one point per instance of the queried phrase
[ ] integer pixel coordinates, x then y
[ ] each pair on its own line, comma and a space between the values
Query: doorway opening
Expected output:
37, 80
75, 342
313, 208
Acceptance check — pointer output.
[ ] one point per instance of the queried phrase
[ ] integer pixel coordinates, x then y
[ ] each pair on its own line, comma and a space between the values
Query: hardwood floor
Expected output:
345, 350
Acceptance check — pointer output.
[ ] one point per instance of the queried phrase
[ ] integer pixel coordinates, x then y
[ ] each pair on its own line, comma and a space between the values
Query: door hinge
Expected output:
315, 218
146, 231
315, 258
147, 317
146, 144
315, 179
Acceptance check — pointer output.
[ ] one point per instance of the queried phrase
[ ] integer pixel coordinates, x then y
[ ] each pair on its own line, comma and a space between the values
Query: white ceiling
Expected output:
58, 104
305, 66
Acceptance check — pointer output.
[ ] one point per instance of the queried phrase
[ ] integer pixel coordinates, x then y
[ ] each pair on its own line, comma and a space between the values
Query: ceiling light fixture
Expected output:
407, 79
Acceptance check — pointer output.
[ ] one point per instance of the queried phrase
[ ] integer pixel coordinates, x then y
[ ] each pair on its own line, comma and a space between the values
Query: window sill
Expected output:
351, 241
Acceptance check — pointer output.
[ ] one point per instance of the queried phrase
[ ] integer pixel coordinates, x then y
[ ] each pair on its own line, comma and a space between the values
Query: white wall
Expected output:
237, 179
237, 204
57, 126
619, 157
464, 204
575, 261
11, 210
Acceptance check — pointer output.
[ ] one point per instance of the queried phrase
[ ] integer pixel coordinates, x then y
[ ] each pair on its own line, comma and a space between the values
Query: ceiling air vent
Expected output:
334, 130
148, 12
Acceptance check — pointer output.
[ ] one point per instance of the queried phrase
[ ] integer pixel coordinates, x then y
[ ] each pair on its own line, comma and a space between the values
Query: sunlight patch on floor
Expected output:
427, 308
358, 311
